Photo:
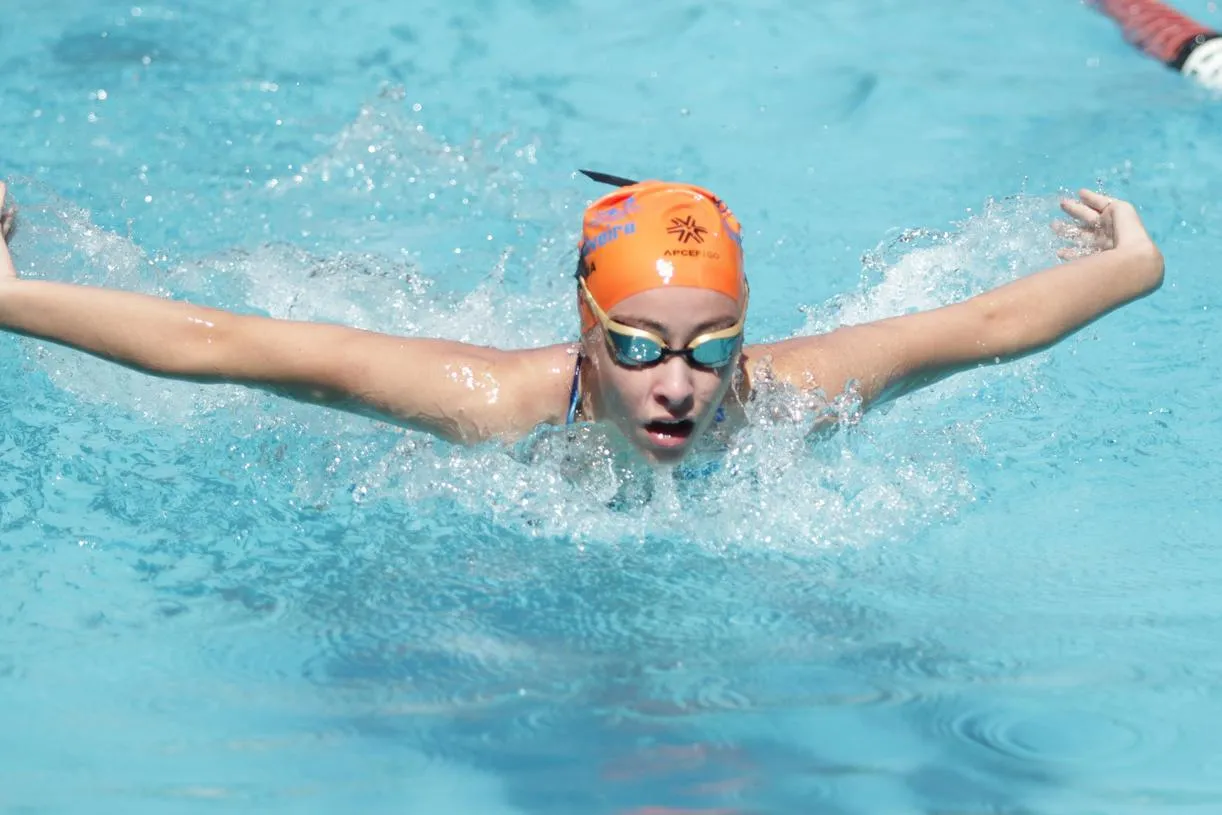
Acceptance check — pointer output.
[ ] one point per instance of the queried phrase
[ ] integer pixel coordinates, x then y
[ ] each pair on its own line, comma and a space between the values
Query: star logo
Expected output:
686, 229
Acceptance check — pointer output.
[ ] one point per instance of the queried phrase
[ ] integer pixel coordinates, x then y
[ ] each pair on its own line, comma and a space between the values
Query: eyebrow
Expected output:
654, 325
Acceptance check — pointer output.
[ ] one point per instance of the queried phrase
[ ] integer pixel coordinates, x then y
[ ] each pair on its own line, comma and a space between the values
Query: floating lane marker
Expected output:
1172, 38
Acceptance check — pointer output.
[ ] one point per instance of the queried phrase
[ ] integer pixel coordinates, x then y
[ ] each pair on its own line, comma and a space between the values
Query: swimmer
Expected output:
661, 293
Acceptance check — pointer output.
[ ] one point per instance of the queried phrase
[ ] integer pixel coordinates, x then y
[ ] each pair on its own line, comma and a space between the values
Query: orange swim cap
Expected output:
651, 234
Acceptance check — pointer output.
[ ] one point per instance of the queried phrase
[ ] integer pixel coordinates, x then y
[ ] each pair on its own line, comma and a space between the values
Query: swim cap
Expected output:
651, 234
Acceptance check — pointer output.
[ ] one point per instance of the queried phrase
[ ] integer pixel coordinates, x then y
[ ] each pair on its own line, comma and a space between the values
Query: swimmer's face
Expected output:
663, 408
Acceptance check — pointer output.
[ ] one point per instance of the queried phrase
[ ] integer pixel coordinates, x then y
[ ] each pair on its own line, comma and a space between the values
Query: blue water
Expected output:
999, 595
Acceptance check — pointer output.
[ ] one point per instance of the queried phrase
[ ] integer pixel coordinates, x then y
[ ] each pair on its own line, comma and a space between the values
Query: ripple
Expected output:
1086, 739
413, 662
1053, 738
206, 647
809, 686
915, 669
678, 694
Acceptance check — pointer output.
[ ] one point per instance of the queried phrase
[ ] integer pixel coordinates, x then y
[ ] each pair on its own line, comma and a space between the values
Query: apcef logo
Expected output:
686, 229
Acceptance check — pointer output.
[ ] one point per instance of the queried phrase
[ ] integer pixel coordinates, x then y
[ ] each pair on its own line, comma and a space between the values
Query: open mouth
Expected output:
670, 433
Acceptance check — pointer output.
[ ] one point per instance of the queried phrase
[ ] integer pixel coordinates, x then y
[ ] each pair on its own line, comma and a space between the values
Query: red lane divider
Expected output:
1171, 37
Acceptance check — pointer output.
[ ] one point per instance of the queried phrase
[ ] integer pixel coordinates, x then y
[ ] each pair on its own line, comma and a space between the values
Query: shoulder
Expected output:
538, 381
878, 359
803, 362
867, 358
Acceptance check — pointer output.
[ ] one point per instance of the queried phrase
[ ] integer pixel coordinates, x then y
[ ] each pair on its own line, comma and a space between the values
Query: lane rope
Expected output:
1169, 36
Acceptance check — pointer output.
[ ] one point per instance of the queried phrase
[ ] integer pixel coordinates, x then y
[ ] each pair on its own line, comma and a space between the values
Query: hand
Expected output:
8, 222
1100, 223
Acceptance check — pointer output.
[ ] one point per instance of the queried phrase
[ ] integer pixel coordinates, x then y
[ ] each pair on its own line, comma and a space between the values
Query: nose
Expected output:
674, 388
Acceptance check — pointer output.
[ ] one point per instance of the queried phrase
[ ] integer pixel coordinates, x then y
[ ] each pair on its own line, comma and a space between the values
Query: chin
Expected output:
671, 455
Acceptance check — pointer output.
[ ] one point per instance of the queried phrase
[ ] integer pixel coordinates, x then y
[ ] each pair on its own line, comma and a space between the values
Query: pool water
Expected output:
1000, 594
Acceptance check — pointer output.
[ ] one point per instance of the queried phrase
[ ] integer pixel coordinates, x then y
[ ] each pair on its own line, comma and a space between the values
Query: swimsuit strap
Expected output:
575, 393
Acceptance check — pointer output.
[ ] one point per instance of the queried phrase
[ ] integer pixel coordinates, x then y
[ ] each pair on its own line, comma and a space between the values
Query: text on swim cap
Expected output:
611, 215
692, 253
606, 236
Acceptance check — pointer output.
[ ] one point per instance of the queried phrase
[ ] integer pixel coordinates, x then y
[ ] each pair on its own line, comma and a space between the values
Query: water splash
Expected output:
778, 485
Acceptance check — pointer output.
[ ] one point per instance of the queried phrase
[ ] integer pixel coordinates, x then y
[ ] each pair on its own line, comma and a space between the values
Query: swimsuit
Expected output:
575, 393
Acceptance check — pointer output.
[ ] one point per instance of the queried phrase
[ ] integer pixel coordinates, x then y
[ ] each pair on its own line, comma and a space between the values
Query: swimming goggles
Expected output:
638, 348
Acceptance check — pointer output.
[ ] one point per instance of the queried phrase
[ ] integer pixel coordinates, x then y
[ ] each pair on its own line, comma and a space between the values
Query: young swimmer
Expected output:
662, 295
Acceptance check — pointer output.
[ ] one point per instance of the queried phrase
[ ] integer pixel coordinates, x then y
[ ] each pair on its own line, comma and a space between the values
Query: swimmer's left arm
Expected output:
890, 357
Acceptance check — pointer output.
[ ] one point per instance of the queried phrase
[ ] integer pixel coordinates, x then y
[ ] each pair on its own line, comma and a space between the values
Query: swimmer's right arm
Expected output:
460, 392
457, 391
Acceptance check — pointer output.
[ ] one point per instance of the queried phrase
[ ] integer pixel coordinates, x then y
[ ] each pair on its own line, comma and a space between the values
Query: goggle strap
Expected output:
607, 178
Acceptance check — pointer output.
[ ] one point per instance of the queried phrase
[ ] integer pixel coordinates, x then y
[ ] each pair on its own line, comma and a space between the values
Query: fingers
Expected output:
1101, 223
1097, 200
1090, 205
1066, 230
1082, 242
1081, 212
1072, 253
1085, 231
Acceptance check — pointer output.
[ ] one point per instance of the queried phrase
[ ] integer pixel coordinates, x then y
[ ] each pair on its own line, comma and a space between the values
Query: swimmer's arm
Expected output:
887, 358
457, 391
